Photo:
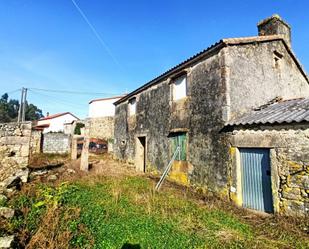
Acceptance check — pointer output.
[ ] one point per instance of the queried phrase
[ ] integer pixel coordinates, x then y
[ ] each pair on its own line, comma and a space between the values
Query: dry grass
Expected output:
172, 204
47, 161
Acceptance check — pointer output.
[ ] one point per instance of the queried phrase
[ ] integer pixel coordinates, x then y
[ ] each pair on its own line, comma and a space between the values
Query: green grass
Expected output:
111, 213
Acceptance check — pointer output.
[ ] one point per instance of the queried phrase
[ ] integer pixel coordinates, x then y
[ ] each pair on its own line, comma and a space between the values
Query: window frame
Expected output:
130, 106
173, 87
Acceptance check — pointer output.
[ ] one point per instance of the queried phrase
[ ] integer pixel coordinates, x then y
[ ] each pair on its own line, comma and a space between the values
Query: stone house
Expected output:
214, 107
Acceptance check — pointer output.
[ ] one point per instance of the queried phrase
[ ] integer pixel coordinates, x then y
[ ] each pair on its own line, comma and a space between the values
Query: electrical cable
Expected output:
14, 91
103, 43
57, 100
73, 92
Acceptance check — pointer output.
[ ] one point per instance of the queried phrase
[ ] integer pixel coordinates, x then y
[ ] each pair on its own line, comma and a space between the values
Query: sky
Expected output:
49, 44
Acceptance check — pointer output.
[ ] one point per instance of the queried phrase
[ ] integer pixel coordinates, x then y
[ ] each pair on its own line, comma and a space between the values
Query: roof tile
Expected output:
287, 111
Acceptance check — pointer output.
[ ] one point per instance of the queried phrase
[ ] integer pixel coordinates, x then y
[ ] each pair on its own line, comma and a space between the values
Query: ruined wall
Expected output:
102, 127
36, 142
258, 75
152, 120
14, 147
56, 143
199, 114
289, 146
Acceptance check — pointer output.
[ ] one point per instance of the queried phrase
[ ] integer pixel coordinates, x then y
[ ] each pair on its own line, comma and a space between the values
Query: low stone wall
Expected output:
56, 143
102, 128
14, 148
289, 157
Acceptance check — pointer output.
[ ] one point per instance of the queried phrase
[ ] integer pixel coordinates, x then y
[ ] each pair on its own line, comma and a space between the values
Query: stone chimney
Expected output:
274, 25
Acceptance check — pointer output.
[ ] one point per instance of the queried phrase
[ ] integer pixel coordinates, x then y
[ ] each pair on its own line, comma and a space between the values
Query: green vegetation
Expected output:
114, 213
78, 127
9, 110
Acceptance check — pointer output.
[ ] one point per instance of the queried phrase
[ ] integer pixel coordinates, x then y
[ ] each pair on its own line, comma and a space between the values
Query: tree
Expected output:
4, 114
32, 112
9, 110
78, 127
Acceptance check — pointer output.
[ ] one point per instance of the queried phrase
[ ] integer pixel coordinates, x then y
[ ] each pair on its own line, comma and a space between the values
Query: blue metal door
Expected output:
256, 181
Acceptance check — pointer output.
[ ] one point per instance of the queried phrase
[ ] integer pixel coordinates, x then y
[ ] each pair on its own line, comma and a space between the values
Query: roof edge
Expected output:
58, 115
217, 46
180, 66
108, 98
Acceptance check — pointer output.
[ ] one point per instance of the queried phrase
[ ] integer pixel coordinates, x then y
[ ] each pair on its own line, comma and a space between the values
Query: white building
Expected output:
56, 122
102, 107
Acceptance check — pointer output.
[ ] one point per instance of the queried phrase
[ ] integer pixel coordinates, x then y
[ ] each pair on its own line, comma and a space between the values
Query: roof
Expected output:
214, 48
40, 127
57, 115
286, 111
102, 99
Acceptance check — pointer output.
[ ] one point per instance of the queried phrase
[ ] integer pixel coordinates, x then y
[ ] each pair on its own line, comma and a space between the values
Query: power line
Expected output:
73, 92
96, 33
14, 91
57, 100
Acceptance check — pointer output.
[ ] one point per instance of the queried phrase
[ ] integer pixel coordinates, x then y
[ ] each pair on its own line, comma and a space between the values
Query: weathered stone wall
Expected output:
223, 85
256, 77
36, 142
200, 114
289, 146
102, 128
14, 147
56, 143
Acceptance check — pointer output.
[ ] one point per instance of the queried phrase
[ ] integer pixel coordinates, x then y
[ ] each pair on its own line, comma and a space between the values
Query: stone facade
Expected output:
255, 76
102, 127
289, 146
14, 148
230, 78
56, 143
214, 87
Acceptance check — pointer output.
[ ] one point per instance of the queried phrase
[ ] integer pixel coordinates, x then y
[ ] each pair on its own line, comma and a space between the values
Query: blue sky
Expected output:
47, 44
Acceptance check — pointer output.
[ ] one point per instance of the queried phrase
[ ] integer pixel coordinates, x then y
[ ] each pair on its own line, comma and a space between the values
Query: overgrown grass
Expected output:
124, 212
43, 160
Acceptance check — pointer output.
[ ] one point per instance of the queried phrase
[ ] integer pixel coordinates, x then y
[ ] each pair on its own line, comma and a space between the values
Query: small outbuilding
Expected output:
270, 159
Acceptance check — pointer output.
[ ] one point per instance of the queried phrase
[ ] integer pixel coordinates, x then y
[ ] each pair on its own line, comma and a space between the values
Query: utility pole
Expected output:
20, 106
24, 105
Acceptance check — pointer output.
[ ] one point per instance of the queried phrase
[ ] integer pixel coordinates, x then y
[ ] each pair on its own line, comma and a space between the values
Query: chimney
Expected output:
274, 25
47, 114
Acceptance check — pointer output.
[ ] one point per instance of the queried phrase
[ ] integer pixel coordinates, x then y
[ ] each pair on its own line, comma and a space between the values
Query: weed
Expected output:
113, 213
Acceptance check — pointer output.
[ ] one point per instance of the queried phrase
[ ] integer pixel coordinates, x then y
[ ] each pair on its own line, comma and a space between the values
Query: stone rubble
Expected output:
39, 172
8, 242
11, 182
71, 171
23, 174
52, 178
7, 213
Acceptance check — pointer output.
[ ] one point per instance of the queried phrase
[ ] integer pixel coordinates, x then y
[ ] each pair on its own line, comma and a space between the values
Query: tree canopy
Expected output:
9, 110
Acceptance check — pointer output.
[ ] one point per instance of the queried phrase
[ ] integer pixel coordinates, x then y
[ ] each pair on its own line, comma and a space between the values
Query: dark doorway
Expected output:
140, 154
